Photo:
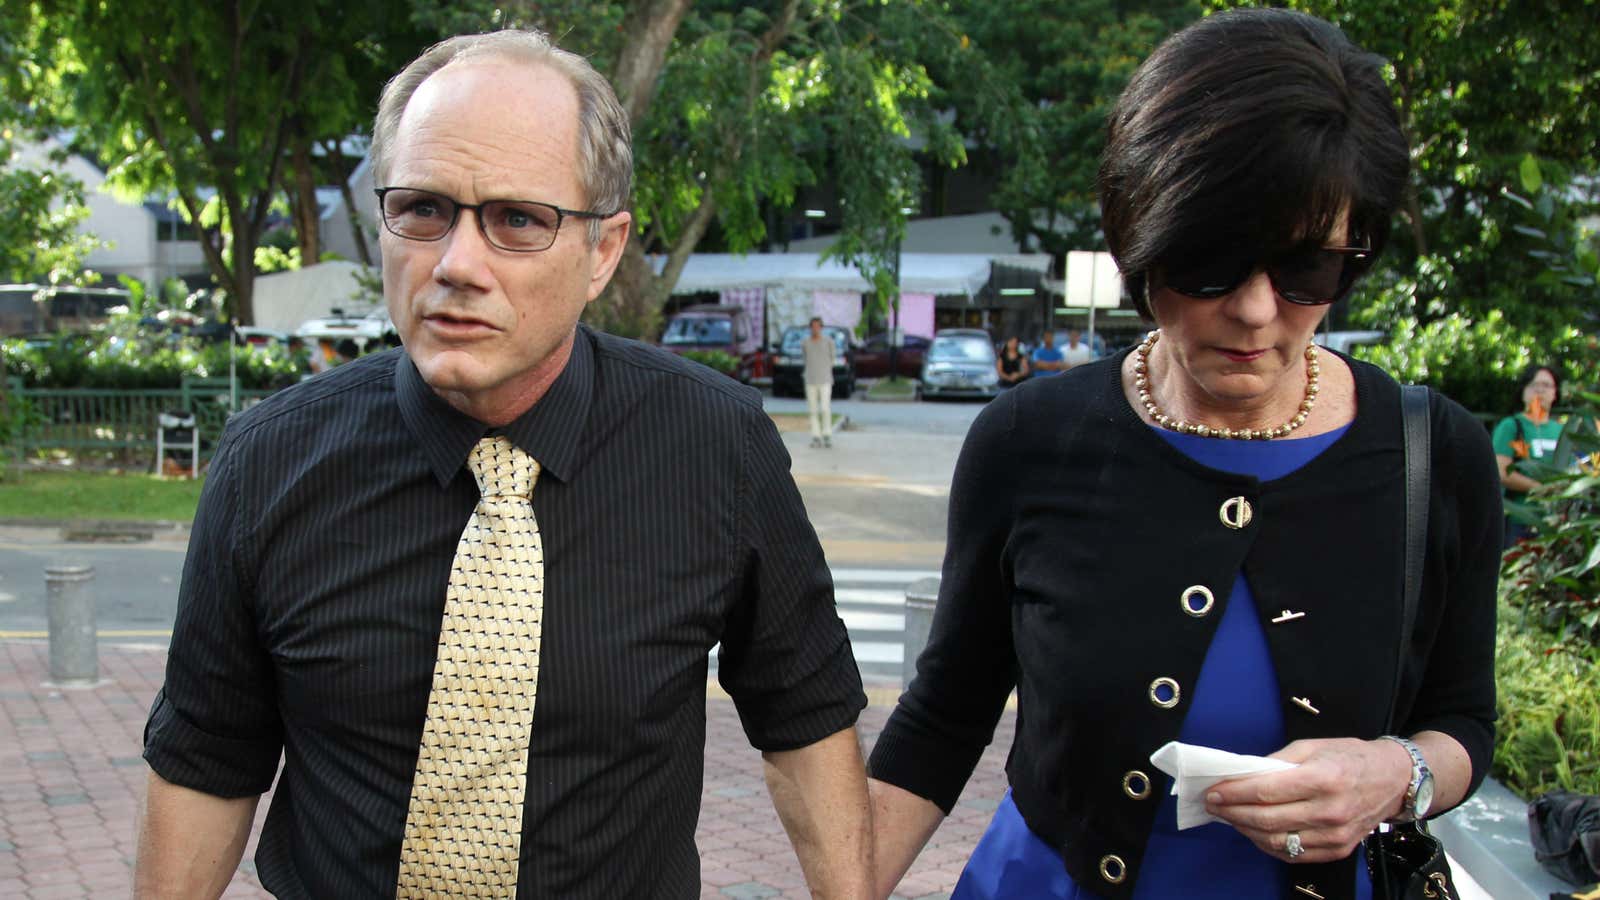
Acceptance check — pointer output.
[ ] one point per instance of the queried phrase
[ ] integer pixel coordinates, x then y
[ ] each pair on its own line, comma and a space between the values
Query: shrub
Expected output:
1548, 736
726, 363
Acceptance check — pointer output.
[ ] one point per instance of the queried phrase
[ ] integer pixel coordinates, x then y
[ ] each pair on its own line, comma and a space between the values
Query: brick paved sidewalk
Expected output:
71, 776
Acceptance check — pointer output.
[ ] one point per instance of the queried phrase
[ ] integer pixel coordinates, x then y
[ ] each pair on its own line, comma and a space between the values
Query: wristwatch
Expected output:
1419, 792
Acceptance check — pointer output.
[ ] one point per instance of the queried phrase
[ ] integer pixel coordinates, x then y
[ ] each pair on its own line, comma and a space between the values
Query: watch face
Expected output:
1424, 795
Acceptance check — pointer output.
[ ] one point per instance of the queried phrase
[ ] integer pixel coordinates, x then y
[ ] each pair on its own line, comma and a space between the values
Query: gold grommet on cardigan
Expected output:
1207, 600
1112, 868
1136, 784
1155, 692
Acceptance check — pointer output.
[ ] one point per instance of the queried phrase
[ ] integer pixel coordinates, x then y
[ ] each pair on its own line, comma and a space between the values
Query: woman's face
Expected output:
1011, 345
1541, 385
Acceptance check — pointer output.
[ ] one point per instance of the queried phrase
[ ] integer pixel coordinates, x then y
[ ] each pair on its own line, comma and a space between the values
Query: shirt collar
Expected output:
549, 432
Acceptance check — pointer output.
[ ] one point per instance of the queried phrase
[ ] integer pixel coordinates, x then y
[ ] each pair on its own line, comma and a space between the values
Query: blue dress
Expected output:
1236, 707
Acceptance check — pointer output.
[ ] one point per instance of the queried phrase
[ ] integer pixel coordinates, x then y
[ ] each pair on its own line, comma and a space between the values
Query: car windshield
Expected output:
698, 330
961, 348
793, 337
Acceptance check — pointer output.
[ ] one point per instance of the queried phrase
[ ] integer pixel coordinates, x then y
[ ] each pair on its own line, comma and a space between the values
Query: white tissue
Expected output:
1195, 769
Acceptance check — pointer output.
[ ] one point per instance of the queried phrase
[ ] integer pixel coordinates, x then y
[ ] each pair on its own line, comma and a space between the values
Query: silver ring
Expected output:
1291, 844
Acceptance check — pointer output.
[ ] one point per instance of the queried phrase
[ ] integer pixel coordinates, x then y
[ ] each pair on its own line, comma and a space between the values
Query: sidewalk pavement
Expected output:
71, 777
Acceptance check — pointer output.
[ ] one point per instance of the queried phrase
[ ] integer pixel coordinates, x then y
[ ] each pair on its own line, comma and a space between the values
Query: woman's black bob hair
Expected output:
1251, 129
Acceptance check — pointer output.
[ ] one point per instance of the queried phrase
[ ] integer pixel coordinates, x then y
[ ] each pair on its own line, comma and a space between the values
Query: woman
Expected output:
1530, 434
1141, 574
1012, 364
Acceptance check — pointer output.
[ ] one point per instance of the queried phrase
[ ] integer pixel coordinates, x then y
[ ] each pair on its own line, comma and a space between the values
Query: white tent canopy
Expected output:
285, 299
920, 273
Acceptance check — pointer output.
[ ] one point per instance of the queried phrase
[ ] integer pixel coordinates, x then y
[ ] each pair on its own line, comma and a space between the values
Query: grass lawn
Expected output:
97, 495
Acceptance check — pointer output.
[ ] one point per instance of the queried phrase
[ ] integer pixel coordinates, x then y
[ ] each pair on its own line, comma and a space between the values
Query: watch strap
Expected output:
1419, 770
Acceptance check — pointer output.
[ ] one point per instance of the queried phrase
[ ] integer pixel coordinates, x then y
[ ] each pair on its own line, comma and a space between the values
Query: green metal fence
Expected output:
123, 422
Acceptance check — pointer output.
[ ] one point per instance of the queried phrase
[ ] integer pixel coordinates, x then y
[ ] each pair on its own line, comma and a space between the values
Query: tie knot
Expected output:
501, 469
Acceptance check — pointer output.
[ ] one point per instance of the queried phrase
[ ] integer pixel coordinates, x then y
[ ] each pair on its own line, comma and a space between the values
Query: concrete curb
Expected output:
1488, 836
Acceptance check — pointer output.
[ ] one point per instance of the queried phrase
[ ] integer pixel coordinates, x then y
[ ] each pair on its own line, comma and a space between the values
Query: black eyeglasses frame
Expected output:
562, 213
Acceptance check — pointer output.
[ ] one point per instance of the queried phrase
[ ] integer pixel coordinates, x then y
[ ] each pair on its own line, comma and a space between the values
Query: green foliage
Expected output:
40, 211
1554, 577
1548, 735
1068, 60
1477, 362
127, 356
723, 362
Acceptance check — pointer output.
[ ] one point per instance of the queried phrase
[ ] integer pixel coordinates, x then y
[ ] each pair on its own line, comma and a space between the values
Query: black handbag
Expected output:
1565, 832
1405, 862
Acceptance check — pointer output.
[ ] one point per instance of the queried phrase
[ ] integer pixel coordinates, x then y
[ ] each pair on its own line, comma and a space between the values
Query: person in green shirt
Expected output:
1529, 434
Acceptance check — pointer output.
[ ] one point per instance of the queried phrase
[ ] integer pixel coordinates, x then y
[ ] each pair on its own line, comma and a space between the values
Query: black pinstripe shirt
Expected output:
315, 582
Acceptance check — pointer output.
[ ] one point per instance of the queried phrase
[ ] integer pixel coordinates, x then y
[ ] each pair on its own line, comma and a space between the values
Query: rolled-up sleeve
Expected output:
214, 725
947, 716
786, 659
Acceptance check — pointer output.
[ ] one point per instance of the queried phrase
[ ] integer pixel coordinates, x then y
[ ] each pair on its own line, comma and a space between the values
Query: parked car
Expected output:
872, 357
959, 363
789, 363
708, 328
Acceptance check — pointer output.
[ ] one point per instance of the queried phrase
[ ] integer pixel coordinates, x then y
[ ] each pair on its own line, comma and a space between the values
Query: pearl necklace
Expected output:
1141, 381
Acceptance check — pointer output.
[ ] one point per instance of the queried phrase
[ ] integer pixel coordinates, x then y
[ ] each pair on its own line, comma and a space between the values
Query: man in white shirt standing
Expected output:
1076, 352
819, 356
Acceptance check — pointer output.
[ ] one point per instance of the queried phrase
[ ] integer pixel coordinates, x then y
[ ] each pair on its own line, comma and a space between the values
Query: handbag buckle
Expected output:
1436, 880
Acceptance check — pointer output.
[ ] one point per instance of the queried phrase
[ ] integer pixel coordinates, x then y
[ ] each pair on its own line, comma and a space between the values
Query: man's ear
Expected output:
607, 252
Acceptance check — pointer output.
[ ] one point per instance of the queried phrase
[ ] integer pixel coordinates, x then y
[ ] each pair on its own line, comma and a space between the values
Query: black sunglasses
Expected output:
1309, 276
520, 226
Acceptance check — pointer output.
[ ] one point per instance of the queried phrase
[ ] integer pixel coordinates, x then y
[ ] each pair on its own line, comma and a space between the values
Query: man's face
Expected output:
490, 329
1073, 336
816, 328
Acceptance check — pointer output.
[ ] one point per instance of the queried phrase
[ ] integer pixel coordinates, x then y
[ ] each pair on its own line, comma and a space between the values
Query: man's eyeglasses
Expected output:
1311, 276
520, 226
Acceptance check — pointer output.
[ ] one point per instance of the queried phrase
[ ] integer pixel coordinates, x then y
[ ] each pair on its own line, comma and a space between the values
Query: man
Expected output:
1047, 360
1076, 353
635, 511
819, 353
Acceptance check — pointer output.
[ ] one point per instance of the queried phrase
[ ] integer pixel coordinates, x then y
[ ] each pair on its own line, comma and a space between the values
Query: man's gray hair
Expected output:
605, 150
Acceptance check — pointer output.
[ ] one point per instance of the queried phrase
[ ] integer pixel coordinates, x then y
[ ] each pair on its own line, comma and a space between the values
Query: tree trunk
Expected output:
648, 28
307, 214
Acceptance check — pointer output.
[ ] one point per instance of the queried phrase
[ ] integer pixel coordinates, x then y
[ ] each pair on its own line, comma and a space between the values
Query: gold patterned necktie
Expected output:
463, 833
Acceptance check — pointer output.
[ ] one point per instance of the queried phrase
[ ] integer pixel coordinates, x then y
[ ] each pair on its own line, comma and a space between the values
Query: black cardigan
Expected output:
1075, 533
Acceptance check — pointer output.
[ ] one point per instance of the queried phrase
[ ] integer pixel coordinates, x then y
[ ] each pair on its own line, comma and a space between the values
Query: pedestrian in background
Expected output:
820, 354
1201, 539
1530, 433
1047, 359
392, 561
1076, 352
1011, 365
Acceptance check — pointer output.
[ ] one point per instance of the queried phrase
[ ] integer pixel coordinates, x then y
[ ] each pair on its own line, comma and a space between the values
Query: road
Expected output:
878, 501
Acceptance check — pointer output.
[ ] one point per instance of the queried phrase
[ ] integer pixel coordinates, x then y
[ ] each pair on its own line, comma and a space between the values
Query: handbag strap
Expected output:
1414, 402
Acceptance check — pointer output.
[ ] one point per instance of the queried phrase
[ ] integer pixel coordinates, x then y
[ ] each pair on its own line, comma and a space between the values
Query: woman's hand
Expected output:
1340, 791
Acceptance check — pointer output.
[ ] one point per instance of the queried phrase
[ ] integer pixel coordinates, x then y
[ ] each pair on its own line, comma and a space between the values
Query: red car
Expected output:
872, 357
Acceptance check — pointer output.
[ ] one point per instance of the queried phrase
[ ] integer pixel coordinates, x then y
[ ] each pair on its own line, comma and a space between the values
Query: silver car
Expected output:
960, 363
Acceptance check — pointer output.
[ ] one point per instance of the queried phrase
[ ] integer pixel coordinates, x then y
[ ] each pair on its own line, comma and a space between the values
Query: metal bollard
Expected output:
921, 596
74, 656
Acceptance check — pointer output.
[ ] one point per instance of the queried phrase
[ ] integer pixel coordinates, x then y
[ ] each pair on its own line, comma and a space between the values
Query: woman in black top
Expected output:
1200, 538
1011, 365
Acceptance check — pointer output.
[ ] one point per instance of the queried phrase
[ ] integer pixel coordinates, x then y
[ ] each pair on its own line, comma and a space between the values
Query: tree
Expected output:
212, 103
1070, 60
736, 106
1498, 102
40, 206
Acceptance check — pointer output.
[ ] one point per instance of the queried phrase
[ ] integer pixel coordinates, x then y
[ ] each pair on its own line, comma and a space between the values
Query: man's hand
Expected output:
820, 792
190, 843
